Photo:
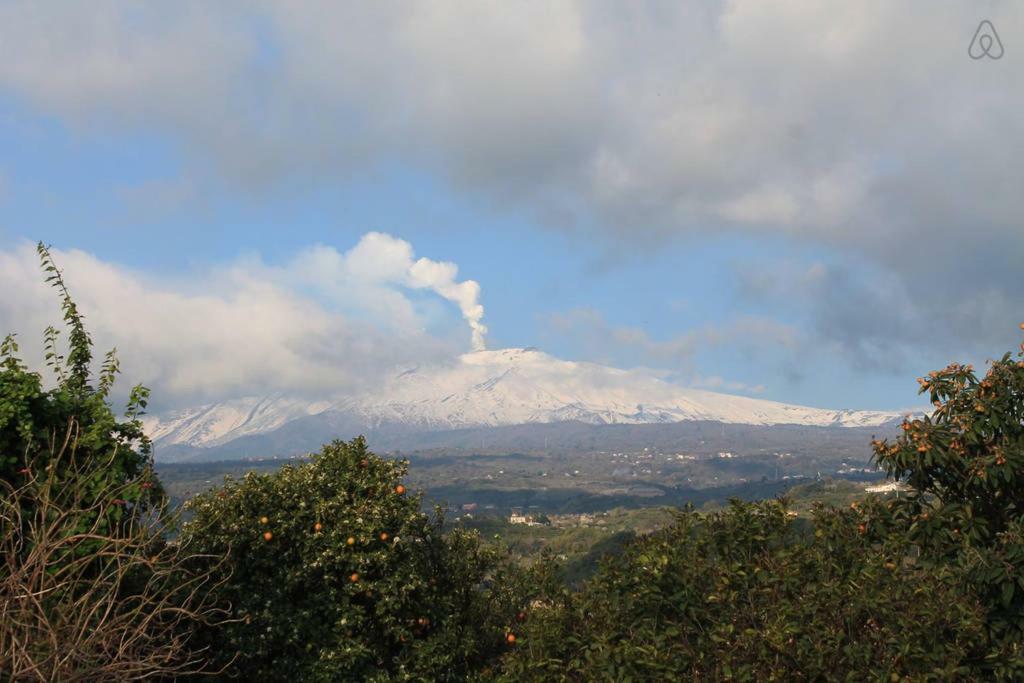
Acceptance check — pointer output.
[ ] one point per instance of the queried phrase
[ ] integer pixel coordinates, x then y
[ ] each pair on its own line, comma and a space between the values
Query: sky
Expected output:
805, 201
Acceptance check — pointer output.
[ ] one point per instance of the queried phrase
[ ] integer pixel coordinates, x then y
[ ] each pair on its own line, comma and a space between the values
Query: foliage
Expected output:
80, 603
89, 587
37, 423
970, 451
580, 568
753, 594
965, 462
336, 574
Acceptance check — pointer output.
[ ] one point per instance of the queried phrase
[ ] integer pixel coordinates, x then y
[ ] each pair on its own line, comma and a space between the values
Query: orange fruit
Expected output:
364, 462
383, 535
400, 490
264, 520
318, 527
350, 540
267, 535
354, 578
511, 639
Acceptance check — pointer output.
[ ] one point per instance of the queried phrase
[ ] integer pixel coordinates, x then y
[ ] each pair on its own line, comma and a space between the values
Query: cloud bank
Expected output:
325, 322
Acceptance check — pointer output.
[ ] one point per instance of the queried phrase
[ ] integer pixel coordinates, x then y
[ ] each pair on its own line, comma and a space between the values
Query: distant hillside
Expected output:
307, 434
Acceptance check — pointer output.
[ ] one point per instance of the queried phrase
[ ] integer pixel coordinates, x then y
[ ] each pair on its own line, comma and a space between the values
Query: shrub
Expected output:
752, 594
336, 574
79, 602
89, 587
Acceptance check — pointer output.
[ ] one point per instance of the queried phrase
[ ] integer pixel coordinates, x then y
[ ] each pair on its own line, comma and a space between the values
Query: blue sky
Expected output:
733, 239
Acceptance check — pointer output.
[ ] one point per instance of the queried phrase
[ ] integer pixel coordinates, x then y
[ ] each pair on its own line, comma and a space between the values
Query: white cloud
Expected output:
325, 322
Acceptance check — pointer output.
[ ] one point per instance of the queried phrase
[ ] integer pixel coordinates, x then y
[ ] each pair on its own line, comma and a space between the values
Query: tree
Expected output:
969, 453
754, 594
965, 463
334, 573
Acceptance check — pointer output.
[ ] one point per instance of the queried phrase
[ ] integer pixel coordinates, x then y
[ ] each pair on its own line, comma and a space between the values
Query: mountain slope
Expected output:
493, 389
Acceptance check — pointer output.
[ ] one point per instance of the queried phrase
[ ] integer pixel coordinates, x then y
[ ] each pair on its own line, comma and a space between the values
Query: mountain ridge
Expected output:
488, 389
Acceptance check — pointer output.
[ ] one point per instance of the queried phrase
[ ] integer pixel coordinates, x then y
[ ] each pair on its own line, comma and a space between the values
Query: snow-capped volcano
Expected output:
497, 388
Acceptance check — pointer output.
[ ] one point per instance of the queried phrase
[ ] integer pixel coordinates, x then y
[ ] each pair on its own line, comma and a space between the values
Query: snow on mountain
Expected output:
498, 388
218, 423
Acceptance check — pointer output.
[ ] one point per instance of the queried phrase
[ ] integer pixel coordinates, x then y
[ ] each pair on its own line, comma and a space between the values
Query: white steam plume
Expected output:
439, 276
382, 257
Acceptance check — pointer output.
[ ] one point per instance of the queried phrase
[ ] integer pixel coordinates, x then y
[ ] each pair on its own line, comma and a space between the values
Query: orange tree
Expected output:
334, 573
752, 593
965, 463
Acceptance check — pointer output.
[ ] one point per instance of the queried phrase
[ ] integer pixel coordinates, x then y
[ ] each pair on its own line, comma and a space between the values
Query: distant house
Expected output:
517, 517
468, 507
887, 487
